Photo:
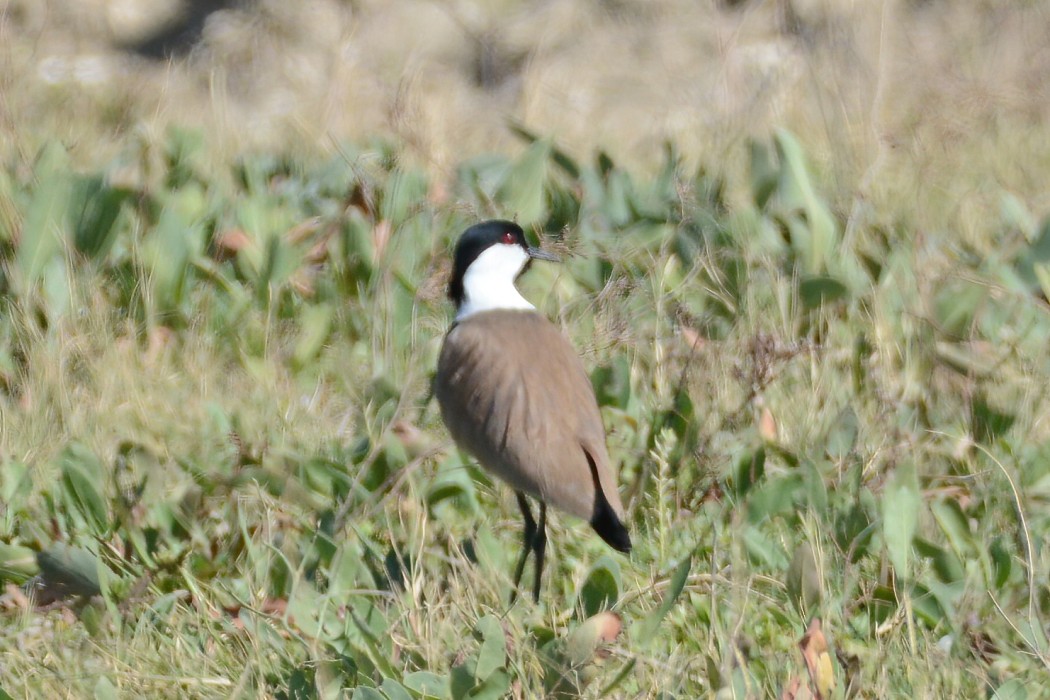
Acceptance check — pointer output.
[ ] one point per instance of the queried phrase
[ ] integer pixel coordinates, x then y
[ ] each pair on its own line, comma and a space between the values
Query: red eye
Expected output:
508, 238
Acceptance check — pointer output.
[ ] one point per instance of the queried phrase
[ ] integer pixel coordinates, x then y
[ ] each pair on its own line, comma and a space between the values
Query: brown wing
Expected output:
514, 394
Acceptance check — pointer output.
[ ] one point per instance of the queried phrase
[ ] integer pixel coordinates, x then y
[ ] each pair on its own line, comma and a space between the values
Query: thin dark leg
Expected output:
530, 536
539, 545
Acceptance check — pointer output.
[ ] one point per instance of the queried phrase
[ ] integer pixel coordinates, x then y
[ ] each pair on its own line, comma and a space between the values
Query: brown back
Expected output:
514, 394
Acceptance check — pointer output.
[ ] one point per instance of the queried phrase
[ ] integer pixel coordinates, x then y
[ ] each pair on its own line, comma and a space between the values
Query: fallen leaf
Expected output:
767, 425
229, 243
814, 648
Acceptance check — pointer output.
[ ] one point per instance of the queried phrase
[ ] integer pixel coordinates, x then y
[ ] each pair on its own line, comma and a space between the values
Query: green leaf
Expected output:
956, 306
427, 684
612, 382
394, 690
955, 525
105, 690
17, 563
560, 157
94, 209
70, 570
362, 692
316, 326
804, 584
750, 468
646, 629
494, 687
1013, 689
946, 564
764, 173
523, 190
842, 436
987, 424
900, 516
492, 654
601, 587
81, 472
42, 231
797, 192
815, 292
1002, 562
453, 481
773, 498
167, 250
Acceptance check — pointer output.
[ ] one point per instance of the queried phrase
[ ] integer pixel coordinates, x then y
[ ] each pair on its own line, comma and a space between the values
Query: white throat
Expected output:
489, 281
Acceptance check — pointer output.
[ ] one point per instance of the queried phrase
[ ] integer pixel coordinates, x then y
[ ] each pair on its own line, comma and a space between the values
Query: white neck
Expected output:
489, 281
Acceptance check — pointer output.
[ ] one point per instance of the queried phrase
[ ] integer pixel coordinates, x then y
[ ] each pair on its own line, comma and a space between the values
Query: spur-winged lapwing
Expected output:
514, 394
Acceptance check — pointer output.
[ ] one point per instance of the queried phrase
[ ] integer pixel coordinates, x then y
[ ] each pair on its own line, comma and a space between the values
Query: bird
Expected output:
515, 395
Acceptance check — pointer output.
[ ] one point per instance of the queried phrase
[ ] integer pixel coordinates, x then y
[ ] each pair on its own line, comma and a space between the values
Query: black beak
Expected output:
540, 254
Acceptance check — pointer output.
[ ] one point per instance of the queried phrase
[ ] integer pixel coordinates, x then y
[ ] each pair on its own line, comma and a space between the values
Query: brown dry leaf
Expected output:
14, 598
796, 690
609, 627
229, 243
380, 237
814, 648
438, 193
302, 281
692, 338
363, 199
415, 441
767, 425
158, 340
303, 230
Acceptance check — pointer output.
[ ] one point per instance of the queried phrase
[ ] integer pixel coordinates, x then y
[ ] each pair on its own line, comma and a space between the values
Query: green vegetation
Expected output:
218, 455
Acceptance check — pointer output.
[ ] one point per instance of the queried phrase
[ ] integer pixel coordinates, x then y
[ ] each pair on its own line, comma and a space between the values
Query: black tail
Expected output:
605, 521
608, 525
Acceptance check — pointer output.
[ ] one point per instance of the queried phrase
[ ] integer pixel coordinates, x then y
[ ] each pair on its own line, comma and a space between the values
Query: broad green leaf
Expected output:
797, 191
1002, 562
900, 516
988, 424
774, 497
815, 292
17, 563
763, 551
804, 582
562, 159
764, 173
524, 189
1013, 689
750, 468
166, 253
94, 209
842, 435
957, 304
495, 687
492, 654
81, 475
601, 587
946, 564
316, 325
427, 684
43, 229
105, 690
955, 525
70, 570
362, 692
394, 690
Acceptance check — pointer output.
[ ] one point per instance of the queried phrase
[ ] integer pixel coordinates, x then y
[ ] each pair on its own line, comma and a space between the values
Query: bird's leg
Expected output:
539, 545
530, 536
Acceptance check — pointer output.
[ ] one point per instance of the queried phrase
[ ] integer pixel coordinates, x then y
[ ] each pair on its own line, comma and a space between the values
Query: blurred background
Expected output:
914, 88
